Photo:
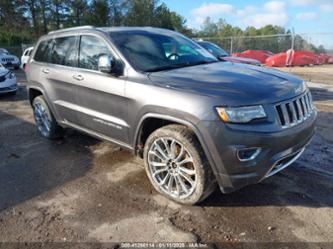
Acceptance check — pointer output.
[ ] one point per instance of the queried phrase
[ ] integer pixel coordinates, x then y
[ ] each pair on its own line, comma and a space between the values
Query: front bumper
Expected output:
278, 150
8, 86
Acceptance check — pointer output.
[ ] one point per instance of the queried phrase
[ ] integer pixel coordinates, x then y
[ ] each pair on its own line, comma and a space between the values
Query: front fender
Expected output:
193, 125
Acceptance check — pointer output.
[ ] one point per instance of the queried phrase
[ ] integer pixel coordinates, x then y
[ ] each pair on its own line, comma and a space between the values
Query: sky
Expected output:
305, 16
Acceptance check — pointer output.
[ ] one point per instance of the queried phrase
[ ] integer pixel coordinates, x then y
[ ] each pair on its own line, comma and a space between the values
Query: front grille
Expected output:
8, 59
295, 111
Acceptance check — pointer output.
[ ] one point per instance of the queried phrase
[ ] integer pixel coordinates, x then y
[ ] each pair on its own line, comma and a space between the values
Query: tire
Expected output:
182, 160
45, 121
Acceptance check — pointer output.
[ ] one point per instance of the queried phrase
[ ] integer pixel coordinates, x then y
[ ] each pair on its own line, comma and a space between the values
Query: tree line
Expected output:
23, 21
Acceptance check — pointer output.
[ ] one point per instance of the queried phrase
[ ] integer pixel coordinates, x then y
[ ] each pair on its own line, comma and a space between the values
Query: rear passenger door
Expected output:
59, 74
53, 66
100, 95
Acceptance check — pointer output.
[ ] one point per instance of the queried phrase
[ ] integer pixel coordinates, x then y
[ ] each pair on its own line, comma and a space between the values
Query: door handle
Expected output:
46, 70
78, 77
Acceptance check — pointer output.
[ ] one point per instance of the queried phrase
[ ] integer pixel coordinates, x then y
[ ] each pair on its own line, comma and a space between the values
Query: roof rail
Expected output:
70, 29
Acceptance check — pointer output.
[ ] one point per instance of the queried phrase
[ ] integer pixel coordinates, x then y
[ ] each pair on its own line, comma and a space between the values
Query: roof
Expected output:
110, 29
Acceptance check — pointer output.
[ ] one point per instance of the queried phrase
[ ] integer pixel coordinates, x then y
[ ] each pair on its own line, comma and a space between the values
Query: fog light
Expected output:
248, 154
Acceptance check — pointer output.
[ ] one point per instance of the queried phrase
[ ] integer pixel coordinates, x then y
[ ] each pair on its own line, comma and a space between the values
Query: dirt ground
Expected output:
319, 74
80, 189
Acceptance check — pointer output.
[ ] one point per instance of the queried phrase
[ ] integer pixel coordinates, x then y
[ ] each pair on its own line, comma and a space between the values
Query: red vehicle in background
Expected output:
330, 60
260, 55
295, 58
326, 58
257, 57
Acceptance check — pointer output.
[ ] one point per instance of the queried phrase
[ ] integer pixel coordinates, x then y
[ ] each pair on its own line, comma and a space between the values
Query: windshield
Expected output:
149, 51
214, 49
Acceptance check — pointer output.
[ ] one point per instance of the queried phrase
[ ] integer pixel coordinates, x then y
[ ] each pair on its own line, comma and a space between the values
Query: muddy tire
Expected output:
176, 165
45, 121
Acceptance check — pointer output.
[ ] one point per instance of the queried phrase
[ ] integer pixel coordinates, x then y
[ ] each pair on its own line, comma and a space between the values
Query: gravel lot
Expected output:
83, 190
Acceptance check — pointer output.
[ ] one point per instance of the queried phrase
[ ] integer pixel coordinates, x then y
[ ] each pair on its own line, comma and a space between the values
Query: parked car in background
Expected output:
292, 58
8, 82
8, 60
25, 57
260, 55
222, 55
197, 122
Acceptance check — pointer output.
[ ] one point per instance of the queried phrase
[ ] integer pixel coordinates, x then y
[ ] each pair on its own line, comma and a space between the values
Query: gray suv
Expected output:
197, 122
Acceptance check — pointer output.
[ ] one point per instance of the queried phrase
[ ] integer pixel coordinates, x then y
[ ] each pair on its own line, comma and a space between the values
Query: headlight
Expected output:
10, 75
241, 114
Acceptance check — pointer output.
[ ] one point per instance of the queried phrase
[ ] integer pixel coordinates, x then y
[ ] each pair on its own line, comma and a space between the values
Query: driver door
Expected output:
100, 96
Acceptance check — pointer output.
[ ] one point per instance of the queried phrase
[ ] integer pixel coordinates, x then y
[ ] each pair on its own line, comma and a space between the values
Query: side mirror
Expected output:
105, 64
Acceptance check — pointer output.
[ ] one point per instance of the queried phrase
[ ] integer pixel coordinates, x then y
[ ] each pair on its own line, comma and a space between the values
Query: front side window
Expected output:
150, 51
64, 51
91, 48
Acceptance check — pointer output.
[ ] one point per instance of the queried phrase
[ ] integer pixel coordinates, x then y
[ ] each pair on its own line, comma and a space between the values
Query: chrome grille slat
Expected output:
298, 102
285, 115
294, 111
304, 107
309, 101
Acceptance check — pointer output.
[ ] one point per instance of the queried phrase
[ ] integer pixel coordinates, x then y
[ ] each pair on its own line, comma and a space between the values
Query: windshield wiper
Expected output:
186, 64
162, 68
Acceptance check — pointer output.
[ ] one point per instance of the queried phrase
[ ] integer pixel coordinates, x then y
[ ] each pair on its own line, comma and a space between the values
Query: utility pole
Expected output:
292, 38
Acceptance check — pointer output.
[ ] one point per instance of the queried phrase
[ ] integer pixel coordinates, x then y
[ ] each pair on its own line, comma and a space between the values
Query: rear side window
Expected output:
91, 48
64, 51
43, 51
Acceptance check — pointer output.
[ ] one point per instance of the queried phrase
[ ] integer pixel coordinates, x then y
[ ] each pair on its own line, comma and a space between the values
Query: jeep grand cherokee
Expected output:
196, 121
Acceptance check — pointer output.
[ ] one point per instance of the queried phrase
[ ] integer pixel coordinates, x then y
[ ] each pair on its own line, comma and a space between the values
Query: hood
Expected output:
241, 60
8, 56
234, 84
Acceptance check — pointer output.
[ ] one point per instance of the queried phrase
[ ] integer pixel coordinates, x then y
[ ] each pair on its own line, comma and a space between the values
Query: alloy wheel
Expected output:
172, 168
42, 119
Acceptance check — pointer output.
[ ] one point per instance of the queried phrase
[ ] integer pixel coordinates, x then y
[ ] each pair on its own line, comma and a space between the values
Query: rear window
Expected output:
43, 51
60, 51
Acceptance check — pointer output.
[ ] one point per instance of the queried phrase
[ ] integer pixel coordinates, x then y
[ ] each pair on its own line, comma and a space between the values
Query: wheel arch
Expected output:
34, 92
138, 148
